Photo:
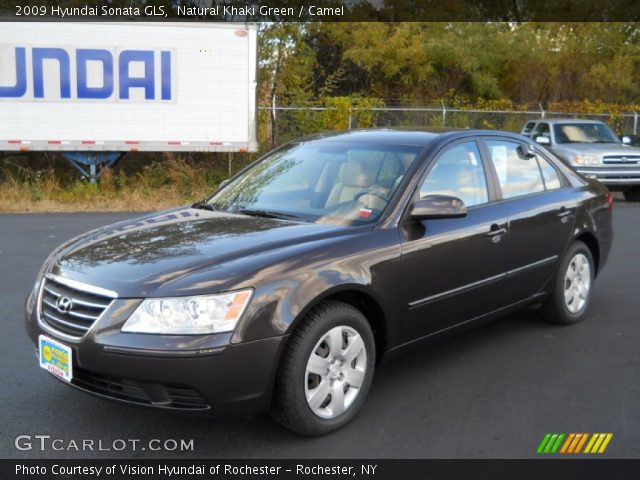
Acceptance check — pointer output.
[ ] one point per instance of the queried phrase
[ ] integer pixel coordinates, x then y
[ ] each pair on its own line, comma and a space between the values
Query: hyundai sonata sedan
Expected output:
284, 289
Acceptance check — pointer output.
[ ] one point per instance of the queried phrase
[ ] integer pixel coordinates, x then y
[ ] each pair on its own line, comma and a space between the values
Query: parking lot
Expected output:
492, 392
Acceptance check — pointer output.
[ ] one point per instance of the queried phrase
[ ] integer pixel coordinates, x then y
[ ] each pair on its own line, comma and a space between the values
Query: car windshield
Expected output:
584, 133
322, 182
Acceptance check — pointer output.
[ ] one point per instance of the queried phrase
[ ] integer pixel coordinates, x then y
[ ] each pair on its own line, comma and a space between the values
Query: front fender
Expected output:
279, 303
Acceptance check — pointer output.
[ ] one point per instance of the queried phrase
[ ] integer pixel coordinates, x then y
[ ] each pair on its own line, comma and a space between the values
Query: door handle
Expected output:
564, 214
496, 231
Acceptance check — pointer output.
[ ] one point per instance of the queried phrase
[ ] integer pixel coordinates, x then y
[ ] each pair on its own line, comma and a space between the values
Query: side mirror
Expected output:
543, 140
438, 206
527, 151
626, 140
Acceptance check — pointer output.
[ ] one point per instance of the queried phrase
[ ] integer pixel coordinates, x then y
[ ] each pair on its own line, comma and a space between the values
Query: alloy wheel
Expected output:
335, 372
577, 283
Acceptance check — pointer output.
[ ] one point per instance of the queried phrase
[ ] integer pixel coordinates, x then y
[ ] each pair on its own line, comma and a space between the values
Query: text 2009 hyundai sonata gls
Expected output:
286, 287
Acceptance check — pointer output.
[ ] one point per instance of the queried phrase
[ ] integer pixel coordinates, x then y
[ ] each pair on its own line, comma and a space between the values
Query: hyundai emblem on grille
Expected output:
64, 304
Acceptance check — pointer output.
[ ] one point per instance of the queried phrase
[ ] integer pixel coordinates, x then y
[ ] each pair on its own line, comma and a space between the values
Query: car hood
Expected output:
137, 256
599, 149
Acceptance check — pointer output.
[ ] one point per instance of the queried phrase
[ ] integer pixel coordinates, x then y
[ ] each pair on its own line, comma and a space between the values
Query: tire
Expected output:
304, 400
632, 195
569, 300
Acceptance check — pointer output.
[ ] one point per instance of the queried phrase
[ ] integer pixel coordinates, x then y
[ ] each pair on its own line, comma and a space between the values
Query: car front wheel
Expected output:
326, 370
572, 286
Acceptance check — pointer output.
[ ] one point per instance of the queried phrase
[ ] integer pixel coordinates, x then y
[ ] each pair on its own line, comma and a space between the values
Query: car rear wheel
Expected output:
632, 195
326, 370
572, 286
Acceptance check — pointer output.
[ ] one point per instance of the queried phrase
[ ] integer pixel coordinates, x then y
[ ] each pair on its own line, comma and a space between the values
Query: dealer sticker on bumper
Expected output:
55, 358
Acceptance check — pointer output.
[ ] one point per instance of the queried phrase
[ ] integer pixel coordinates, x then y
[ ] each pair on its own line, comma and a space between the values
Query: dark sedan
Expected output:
287, 286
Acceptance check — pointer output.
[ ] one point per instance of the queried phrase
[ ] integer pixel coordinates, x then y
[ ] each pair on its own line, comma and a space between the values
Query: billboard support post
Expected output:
87, 162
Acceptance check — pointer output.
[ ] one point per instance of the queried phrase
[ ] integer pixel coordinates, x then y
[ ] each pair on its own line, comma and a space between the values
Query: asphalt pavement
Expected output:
492, 392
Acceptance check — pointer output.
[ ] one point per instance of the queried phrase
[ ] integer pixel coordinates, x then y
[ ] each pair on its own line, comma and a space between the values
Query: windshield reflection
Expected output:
323, 181
584, 133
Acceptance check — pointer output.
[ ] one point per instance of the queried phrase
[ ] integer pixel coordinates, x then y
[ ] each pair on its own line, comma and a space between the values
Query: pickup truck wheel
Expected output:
326, 370
572, 285
632, 195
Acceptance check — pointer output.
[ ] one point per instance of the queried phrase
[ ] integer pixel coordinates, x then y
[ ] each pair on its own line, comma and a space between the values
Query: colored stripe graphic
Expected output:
583, 439
543, 443
594, 437
578, 442
550, 443
598, 443
568, 442
573, 443
605, 444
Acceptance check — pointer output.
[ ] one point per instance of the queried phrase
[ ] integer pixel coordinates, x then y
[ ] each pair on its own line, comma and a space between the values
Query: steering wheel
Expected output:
375, 193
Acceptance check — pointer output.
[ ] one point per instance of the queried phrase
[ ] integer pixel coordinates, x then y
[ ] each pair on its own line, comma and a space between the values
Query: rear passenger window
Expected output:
550, 175
517, 175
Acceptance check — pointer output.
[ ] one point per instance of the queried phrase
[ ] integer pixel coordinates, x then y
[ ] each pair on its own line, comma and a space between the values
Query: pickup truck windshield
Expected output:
322, 182
584, 133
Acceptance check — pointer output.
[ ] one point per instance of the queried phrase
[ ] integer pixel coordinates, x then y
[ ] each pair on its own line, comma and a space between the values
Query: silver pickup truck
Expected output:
593, 149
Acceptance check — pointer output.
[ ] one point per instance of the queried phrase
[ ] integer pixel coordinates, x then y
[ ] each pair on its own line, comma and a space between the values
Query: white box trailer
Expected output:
117, 87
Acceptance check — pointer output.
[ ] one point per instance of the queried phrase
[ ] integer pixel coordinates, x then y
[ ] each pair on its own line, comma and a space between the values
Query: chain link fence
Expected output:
281, 124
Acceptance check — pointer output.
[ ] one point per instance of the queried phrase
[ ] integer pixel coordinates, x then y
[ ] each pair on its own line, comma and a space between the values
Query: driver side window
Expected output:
542, 130
458, 172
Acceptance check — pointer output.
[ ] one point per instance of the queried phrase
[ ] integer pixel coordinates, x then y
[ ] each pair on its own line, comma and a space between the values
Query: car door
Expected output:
454, 267
540, 208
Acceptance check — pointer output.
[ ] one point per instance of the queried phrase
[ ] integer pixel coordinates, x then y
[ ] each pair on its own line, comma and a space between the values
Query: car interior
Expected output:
369, 181
348, 184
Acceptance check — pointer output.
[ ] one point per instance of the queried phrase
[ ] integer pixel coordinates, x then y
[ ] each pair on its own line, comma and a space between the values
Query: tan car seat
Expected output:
353, 179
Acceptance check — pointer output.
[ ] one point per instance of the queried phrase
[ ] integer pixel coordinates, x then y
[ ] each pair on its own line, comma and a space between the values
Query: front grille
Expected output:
164, 395
71, 310
621, 159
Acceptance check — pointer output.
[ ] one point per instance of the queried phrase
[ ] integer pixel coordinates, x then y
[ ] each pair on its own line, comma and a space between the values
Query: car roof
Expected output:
402, 137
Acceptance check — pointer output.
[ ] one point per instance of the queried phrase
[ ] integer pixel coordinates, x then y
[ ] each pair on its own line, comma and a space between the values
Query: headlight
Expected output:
586, 160
189, 315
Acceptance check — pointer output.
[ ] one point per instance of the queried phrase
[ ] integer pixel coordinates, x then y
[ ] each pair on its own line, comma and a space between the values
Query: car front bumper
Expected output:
190, 373
613, 175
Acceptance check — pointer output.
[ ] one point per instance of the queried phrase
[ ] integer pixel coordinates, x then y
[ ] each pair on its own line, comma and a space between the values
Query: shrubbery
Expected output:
169, 181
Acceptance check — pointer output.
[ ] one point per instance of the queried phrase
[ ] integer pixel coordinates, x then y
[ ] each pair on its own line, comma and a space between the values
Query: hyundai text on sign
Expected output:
120, 86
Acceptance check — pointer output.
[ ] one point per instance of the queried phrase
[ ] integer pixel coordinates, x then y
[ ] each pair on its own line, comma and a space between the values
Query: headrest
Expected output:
352, 173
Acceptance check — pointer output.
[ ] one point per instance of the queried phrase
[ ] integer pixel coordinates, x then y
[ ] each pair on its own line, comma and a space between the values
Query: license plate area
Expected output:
55, 357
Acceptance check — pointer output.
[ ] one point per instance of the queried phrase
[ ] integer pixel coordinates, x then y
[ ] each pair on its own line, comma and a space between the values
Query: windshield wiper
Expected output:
203, 206
267, 214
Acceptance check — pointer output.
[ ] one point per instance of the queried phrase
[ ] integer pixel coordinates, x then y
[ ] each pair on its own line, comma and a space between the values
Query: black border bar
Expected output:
332, 10
538, 469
